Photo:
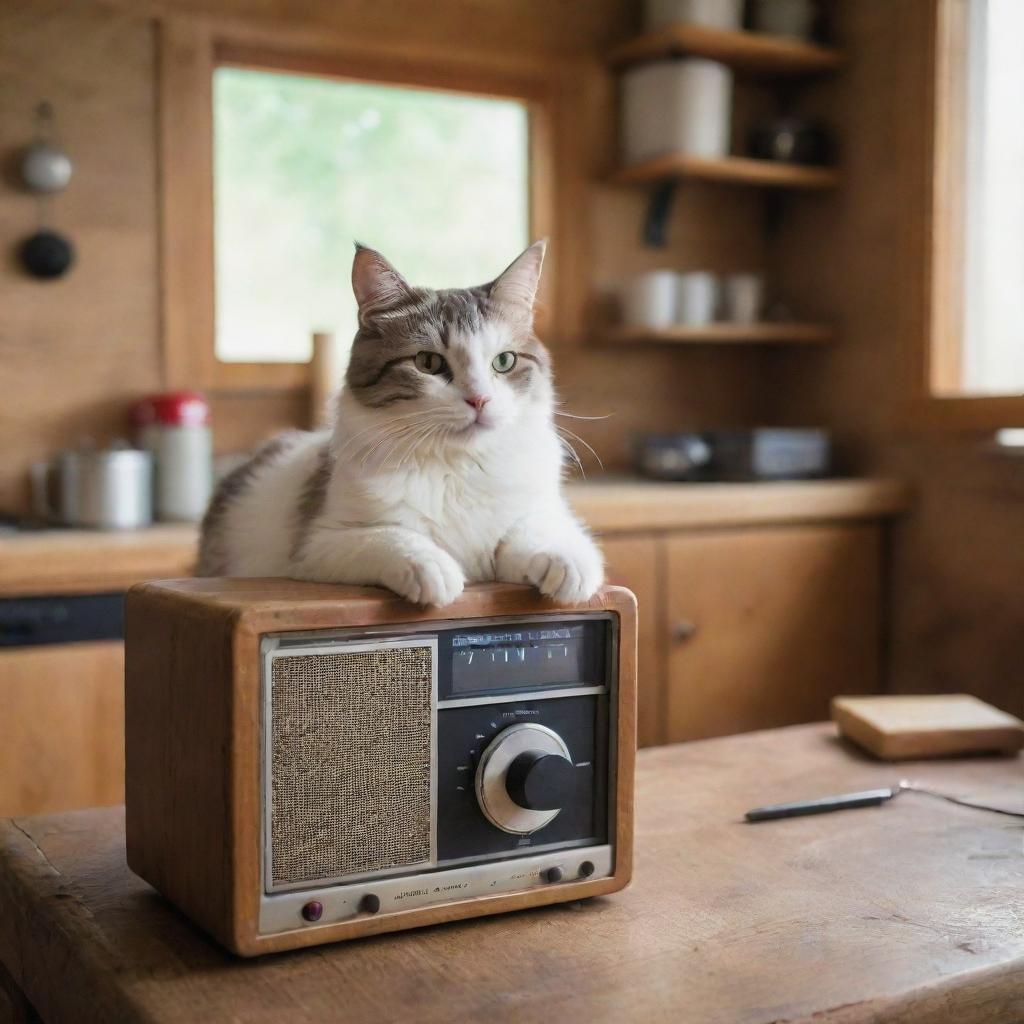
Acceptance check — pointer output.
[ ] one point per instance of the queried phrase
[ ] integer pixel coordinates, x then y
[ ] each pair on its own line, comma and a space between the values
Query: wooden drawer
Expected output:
61, 727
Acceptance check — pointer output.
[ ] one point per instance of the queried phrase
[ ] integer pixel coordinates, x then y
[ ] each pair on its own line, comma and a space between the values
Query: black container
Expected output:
735, 455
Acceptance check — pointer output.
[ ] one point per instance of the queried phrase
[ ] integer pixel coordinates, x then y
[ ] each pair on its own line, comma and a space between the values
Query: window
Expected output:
278, 151
976, 357
992, 355
304, 165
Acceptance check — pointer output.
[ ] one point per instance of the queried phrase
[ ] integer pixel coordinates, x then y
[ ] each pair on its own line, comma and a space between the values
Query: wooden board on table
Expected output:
898, 727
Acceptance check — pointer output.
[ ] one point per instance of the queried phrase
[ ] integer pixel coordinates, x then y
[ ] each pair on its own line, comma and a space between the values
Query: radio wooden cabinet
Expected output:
308, 763
751, 628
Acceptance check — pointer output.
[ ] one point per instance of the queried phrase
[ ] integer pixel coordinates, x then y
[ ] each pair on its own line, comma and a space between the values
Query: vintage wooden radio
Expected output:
308, 763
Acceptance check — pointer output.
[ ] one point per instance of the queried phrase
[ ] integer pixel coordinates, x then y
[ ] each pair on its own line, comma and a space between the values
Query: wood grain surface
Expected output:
900, 727
61, 727
91, 561
907, 914
755, 53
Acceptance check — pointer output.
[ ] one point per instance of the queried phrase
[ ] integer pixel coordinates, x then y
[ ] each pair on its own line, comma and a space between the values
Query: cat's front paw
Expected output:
569, 577
431, 578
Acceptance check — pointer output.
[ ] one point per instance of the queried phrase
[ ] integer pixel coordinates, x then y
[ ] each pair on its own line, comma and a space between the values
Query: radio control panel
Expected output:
497, 763
513, 747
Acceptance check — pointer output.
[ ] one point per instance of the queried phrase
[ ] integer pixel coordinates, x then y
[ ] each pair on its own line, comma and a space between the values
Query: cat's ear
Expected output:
515, 289
376, 284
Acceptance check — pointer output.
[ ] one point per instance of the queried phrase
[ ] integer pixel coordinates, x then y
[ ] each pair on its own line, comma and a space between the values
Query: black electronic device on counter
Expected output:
769, 453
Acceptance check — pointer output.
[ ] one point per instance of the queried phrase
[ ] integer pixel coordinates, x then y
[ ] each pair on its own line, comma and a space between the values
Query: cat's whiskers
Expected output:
575, 416
564, 430
567, 447
387, 425
413, 439
394, 433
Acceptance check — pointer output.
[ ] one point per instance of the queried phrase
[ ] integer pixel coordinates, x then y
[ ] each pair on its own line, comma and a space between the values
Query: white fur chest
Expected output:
465, 503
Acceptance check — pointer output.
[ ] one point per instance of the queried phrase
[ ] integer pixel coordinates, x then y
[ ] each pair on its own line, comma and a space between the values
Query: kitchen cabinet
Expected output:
634, 562
751, 628
61, 727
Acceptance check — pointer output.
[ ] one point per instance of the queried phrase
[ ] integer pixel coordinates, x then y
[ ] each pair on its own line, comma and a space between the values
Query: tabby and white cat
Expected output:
443, 465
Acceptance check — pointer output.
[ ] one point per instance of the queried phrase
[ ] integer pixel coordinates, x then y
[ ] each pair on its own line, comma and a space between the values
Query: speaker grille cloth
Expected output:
350, 780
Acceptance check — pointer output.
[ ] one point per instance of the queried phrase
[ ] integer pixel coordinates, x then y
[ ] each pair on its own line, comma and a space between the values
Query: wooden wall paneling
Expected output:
959, 556
76, 351
767, 625
61, 727
637, 563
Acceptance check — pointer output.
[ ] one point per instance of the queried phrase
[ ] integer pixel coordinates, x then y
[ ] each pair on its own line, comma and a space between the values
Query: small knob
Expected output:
552, 875
370, 903
540, 781
683, 630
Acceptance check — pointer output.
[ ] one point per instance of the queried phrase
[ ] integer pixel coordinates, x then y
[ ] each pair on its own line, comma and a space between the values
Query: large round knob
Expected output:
524, 777
540, 781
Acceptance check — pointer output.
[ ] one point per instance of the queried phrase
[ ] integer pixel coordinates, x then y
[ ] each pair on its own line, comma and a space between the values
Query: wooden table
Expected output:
910, 912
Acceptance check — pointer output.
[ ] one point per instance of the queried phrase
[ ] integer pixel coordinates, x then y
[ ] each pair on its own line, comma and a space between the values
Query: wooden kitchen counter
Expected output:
93, 561
629, 506
905, 913
83, 561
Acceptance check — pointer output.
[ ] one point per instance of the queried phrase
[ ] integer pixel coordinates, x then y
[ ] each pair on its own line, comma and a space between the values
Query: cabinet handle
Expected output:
683, 630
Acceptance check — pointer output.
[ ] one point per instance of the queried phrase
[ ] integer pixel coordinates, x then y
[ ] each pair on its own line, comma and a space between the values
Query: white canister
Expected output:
722, 14
649, 300
743, 298
676, 106
793, 18
175, 427
698, 298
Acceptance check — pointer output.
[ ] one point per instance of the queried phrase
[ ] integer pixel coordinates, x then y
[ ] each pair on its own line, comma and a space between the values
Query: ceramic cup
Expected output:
742, 298
698, 298
724, 14
793, 18
650, 299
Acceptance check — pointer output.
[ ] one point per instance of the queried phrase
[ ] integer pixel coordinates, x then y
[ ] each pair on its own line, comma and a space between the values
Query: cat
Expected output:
443, 465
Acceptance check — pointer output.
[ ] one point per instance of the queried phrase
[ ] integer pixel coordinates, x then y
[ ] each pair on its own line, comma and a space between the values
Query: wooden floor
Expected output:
907, 913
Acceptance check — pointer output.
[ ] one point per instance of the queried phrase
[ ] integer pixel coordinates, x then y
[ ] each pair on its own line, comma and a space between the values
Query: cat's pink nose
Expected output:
478, 401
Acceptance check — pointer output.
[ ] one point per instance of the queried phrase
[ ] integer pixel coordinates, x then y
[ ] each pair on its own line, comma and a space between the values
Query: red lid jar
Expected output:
172, 409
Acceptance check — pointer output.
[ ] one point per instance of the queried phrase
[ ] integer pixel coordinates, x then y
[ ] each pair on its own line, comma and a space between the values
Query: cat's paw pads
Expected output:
569, 578
433, 578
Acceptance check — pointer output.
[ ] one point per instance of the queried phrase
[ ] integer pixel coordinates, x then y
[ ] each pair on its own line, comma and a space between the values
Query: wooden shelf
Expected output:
736, 170
723, 334
751, 52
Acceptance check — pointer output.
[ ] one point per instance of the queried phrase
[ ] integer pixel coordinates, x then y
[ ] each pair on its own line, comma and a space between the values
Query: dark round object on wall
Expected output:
47, 254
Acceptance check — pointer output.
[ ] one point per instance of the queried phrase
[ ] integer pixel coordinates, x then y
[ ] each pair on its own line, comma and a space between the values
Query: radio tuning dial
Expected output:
540, 781
524, 778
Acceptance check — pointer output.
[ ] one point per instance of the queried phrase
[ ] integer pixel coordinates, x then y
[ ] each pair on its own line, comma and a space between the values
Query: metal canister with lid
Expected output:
175, 427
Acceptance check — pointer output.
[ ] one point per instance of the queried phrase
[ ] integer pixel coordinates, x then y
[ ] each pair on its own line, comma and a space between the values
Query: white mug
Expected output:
649, 299
724, 14
793, 18
743, 298
698, 298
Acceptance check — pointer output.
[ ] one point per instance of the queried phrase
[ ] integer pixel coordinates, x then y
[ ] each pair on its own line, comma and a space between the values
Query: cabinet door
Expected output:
766, 625
634, 562
61, 727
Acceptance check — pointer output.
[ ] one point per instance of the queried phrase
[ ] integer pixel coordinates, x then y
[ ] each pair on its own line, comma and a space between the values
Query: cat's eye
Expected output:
430, 362
504, 361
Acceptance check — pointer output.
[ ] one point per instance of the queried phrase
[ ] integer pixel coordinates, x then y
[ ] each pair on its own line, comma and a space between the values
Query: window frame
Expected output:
937, 363
190, 50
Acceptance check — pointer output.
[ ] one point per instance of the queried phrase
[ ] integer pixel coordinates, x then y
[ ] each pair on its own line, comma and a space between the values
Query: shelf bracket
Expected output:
659, 207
